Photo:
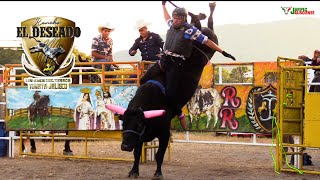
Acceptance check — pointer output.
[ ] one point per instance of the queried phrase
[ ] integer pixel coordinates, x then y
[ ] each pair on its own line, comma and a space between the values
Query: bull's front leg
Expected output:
137, 154
163, 144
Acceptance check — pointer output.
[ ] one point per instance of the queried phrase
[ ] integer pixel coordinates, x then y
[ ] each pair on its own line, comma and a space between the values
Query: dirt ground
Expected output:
188, 161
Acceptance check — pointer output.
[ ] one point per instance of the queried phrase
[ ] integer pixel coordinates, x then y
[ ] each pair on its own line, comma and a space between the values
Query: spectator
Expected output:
101, 48
149, 43
315, 62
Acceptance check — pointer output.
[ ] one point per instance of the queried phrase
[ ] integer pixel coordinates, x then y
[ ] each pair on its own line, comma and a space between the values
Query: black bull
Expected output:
138, 129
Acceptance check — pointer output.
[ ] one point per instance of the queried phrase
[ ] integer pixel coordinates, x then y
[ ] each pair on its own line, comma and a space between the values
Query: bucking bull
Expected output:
148, 116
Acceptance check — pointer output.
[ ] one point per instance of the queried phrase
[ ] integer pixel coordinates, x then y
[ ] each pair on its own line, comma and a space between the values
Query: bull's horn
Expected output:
153, 113
115, 108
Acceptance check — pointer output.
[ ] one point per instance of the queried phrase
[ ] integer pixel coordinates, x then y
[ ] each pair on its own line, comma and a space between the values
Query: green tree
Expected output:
9, 56
237, 75
83, 55
225, 74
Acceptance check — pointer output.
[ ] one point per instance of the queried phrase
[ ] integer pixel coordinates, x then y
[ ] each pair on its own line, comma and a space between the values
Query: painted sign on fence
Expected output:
82, 106
234, 98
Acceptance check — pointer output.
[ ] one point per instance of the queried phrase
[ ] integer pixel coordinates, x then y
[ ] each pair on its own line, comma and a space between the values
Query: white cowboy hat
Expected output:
105, 25
140, 24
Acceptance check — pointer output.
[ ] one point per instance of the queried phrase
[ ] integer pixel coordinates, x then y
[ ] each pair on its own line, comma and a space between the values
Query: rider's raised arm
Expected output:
165, 12
213, 46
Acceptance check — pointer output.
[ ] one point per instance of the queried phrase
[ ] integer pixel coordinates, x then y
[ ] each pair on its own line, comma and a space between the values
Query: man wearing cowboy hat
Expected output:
101, 48
149, 43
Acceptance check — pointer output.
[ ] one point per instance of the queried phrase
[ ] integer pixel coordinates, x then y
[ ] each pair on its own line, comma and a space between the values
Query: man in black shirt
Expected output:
149, 43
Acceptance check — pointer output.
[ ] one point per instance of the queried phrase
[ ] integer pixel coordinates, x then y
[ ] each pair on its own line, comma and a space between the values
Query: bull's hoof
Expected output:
33, 150
212, 6
133, 175
157, 176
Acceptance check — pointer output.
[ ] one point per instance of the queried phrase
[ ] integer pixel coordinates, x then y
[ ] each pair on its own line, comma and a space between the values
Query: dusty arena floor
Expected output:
188, 161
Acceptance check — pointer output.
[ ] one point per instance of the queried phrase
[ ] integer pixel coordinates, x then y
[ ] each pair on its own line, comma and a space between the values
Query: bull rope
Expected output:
274, 119
202, 52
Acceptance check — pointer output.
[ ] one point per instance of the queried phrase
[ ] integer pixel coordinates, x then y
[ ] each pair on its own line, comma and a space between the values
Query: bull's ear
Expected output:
153, 113
118, 109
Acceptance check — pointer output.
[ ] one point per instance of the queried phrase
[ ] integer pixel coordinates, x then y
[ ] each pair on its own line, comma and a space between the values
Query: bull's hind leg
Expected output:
134, 173
210, 19
163, 144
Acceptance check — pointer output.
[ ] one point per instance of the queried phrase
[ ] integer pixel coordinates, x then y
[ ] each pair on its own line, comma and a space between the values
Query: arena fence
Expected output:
293, 114
13, 78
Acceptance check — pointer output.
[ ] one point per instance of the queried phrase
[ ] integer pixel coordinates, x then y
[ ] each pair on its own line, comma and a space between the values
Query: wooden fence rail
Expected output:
23, 112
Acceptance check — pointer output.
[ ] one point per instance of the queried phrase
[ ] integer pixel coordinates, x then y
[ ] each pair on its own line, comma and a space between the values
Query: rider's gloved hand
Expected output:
164, 2
228, 55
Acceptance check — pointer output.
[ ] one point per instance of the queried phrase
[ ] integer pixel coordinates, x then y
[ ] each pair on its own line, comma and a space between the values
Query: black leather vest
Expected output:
176, 43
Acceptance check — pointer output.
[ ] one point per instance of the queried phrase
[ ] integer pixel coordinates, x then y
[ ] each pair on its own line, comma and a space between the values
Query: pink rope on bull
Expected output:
147, 114
153, 113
